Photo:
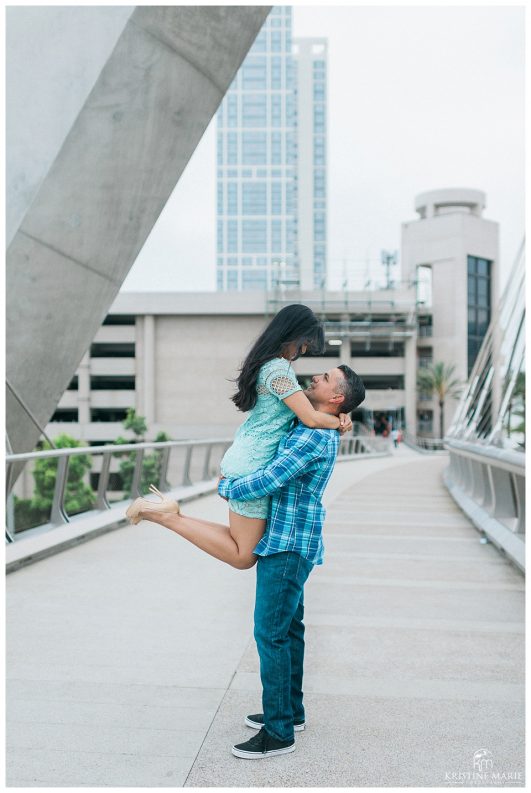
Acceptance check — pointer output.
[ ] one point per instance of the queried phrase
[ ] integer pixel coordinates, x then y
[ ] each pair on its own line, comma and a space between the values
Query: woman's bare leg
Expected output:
232, 544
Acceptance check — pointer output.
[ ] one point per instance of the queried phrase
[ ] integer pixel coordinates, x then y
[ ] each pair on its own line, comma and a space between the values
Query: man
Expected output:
291, 546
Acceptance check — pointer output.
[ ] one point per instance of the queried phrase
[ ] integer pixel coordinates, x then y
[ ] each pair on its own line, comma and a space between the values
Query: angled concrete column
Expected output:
113, 174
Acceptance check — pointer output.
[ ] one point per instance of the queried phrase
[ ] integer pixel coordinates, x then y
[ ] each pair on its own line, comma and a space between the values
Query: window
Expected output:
220, 199
425, 357
254, 199
276, 110
276, 198
232, 198
425, 421
276, 72
232, 148
108, 414
479, 304
65, 414
318, 118
254, 148
220, 236
73, 384
254, 110
425, 326
276, 42
383, 382
119, 319
424, 285
253, 73
276, 236
113, 350
112, 382
219, 149
276, 148
256, 279
319, 184
232, 279
254, 236
220, 279
232, 236
232, 111
377, 349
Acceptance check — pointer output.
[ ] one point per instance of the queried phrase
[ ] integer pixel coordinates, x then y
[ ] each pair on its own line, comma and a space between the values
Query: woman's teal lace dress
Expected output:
256, 441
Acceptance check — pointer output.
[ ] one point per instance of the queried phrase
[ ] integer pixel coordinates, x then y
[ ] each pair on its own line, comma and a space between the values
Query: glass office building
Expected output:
265, 214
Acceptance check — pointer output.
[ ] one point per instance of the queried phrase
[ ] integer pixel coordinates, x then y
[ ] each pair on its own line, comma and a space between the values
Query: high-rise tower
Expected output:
271, 162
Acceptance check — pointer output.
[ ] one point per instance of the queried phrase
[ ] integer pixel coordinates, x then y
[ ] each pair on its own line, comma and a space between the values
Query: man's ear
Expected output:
337, 399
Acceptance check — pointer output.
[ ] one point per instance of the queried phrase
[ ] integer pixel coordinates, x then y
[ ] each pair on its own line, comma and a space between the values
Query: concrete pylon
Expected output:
111, 177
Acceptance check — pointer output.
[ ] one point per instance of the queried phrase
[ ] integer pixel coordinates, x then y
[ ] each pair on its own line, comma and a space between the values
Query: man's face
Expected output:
324, 390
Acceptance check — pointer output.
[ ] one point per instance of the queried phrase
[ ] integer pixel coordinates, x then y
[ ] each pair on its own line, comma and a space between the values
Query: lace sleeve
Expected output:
282, 384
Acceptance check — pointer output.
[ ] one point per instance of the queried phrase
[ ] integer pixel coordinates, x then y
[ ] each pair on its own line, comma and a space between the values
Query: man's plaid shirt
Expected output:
295, 479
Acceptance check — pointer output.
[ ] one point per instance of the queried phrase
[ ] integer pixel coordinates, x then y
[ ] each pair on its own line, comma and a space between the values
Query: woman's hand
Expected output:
219, 480
345, 423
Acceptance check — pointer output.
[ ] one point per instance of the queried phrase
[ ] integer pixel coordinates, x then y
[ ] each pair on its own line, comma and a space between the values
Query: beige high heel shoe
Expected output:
165, 505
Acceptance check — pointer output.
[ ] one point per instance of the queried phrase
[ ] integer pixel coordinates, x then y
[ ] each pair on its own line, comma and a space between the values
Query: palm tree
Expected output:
438, 378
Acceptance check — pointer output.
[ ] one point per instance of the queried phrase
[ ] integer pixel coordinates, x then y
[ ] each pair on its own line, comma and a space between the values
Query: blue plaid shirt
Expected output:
295, 479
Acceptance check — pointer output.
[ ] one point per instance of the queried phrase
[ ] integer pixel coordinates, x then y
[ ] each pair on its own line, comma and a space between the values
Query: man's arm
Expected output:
304, 447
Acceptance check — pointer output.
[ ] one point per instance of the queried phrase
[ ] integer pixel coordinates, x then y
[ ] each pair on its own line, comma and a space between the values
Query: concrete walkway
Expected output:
131, 660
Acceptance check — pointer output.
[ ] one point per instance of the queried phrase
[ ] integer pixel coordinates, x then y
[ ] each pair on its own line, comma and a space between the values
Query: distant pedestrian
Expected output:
395, 436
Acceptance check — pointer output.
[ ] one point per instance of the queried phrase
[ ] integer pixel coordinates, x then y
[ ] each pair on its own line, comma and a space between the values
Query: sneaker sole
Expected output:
255, 725
261, 755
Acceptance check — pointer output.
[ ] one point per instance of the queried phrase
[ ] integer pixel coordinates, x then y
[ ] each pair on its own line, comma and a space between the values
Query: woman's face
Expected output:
291, 350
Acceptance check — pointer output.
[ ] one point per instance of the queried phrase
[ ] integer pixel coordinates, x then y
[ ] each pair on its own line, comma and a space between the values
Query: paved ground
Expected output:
130, 659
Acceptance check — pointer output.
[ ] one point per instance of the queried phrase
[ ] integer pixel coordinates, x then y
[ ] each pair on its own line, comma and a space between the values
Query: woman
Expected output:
268, 389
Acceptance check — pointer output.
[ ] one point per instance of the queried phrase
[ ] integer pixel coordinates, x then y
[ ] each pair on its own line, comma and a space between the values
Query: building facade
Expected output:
174, 357
271, 164
451, 253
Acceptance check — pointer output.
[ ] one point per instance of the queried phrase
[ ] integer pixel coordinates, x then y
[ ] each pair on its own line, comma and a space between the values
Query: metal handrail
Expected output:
488, 483
58, 515
350, 445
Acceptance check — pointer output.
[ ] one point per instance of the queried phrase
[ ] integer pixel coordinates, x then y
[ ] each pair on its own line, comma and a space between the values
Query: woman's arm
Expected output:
310, 417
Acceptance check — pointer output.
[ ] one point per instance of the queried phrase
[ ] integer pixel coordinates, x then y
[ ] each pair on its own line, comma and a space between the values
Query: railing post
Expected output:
137, 474
206, 466
164, 464
187, 462
519, 489
103, 482
58, 514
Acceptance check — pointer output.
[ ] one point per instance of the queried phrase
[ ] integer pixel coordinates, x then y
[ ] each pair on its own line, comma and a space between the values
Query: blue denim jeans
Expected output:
279, 635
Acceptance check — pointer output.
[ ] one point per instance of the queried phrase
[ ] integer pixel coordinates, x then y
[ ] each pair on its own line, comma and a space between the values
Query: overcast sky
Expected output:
420, 98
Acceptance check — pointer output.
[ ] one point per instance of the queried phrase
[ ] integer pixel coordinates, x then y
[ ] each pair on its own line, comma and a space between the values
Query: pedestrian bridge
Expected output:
130, 658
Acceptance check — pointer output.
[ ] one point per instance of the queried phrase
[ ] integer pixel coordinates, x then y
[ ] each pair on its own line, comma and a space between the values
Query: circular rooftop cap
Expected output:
450, 201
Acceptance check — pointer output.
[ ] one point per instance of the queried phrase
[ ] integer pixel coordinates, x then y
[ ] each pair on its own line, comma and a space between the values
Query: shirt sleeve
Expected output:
303, 448
281, 382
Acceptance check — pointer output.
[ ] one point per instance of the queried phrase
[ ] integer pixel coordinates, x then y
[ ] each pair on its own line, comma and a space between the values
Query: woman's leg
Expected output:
233, 545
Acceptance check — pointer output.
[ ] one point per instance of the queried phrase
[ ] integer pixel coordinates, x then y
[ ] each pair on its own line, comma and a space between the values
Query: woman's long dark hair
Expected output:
295, 323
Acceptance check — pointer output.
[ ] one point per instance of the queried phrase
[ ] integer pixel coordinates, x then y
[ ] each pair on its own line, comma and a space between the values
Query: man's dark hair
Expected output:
353, 389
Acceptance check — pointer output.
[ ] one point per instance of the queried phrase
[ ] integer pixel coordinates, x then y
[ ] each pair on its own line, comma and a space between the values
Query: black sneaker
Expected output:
262, 745
257, 722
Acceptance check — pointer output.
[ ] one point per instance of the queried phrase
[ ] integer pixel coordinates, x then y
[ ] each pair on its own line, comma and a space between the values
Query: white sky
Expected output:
420, 98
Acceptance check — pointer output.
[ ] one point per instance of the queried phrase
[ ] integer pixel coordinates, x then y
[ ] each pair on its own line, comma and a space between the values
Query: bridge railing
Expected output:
424, 444
488, 483
189, 467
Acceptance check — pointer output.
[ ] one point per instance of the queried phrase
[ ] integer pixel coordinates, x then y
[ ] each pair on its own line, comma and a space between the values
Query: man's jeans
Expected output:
279, 634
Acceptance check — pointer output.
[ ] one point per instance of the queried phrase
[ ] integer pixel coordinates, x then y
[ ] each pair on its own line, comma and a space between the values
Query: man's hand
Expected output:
219, 480
345, 423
